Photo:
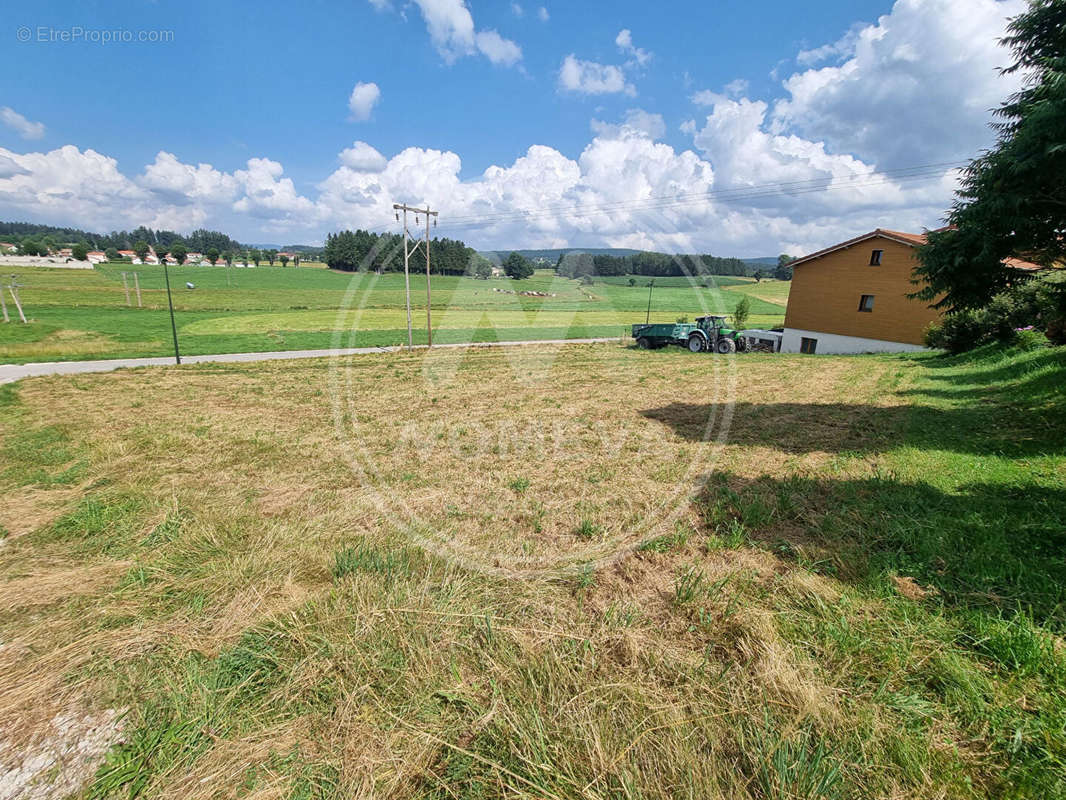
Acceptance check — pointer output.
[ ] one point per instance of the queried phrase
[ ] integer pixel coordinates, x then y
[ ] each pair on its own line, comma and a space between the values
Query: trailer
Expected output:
656, 335
707, 334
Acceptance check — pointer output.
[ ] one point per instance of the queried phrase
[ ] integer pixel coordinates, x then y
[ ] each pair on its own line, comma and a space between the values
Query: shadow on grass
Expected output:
855, 428
993, 402
997, 547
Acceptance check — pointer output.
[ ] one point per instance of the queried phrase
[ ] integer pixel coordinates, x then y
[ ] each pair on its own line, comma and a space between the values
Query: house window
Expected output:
875, 258
866, 303
808, 345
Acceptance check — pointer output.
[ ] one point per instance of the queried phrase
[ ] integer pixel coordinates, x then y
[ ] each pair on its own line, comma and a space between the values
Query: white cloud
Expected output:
842, 47
362, 100
636, 121
497, 49
624, 40
736, 87
269, 196
542, 14
184, 183
83, 187
361, 157
451, 29
914, 88
589, 77
517, 10
22, 126
821, 136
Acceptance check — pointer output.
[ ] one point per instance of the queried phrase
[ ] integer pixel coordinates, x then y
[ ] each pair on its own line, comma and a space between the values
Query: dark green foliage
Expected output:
198, 240
517, 267
361, 250
1012, 201
784, 270
741, 312
32, 247
80, 252
576, 264
1039, 303
179, 252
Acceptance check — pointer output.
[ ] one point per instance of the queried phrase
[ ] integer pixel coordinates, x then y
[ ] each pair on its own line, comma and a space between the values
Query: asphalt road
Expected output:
10, 373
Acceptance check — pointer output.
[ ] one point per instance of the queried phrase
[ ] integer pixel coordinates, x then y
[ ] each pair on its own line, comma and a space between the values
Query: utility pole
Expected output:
651, 283
407, 253
170, 302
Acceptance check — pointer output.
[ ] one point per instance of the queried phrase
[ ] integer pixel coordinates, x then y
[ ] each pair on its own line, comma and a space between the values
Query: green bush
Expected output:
1034, 305
1030, 339
958, 332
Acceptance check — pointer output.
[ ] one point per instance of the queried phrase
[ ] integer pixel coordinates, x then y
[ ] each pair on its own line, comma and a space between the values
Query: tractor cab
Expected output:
716, 337
710, 324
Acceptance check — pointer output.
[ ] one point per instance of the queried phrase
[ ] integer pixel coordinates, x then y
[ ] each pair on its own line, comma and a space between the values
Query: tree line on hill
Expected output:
199, 241
662, 265
351, 251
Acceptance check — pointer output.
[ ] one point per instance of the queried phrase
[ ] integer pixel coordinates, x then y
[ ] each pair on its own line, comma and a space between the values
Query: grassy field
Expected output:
532, 573
83, 314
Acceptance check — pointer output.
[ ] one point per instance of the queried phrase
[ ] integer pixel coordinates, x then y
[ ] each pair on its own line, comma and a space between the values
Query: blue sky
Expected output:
696, 99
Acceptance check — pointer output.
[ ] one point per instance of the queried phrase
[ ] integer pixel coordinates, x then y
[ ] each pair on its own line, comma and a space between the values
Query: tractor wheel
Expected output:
725, 346
695, 344
643, 343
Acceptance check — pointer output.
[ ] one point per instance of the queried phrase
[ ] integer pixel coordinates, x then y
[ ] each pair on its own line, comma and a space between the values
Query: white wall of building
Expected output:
835, 343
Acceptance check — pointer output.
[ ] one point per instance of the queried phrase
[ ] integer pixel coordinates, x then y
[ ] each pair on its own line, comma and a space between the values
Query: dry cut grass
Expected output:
471, 574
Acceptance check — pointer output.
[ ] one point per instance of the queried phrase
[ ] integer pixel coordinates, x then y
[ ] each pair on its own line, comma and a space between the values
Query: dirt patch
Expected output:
910, 588
63, 760
24, 511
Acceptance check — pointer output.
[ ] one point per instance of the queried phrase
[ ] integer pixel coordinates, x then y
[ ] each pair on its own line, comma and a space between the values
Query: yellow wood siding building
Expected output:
852, 297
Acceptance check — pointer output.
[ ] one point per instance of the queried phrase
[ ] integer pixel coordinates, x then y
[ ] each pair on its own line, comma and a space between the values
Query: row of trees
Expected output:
657, 265
383, 252
53, 237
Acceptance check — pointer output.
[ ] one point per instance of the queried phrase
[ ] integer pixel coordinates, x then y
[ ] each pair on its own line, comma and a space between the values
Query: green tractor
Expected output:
707, 335
713, 335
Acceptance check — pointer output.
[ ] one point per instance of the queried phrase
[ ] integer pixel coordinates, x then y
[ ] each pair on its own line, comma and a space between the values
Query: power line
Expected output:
732, 195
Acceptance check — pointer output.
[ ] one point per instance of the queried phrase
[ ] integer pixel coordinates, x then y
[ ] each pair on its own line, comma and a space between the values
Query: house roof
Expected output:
912, 239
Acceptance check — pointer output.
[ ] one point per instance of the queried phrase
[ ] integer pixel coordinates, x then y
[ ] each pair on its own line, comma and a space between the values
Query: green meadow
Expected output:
76, 314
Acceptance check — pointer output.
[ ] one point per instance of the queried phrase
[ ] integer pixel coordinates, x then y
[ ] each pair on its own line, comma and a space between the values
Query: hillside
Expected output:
296, 591
552, 255
79, 314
